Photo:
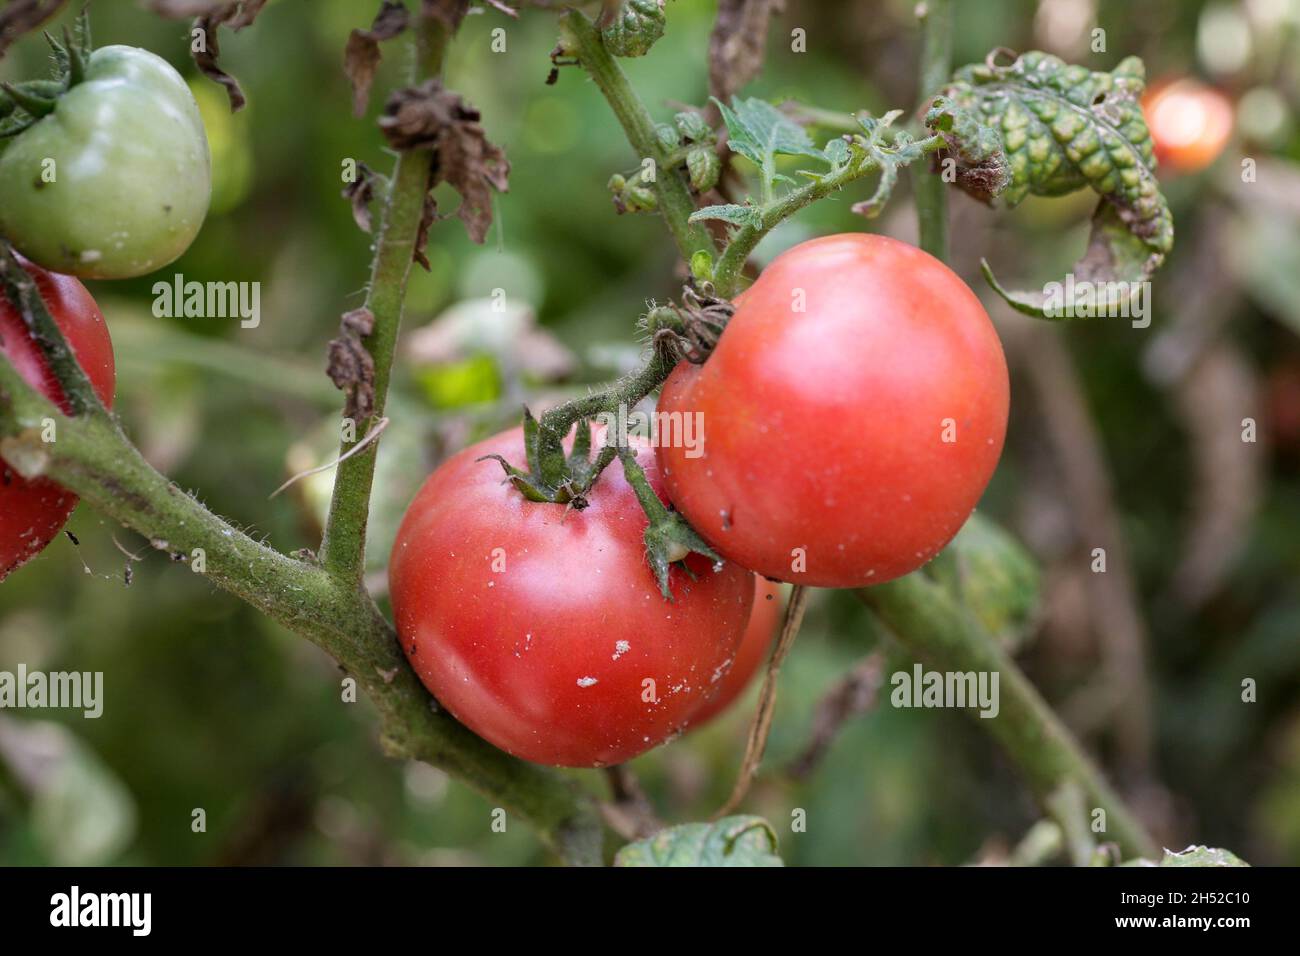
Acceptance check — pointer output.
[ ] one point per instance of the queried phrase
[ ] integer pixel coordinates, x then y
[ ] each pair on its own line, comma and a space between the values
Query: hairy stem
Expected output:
343, 548
581, 39
20, 289
936, 67
924, 618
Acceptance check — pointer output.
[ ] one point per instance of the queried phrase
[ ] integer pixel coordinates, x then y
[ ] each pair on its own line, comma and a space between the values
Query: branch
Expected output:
936, 65
926, 619
94, 459
581, 39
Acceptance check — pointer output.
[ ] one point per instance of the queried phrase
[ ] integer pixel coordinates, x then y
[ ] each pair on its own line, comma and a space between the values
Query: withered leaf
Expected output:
428, 216
361, 57
205, 59
360, 193
351, 367
23, 16
433, 118
449, 12
737, 44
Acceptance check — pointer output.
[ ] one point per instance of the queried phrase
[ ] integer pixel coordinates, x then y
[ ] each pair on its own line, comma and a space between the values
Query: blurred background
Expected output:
1122, 438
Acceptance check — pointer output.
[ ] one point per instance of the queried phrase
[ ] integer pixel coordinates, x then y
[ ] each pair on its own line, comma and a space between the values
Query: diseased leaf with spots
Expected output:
1066, 128
731, 841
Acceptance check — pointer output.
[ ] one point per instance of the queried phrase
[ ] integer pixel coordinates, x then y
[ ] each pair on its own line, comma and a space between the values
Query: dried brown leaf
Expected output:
362, 55
433, 118
206, 60
737, 44
351, 367
23, 16
450, 12
360, 194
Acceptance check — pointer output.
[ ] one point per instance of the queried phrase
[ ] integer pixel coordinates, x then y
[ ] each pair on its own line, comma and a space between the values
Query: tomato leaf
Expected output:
988, 571
731, 841
760, 132
733, 213
1193, 856
1066, 128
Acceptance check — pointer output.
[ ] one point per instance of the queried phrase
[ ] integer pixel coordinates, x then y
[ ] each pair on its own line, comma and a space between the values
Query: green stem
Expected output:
625, 392
93, 458
936, 69
20, 288
924, 618
581, 39
343, 549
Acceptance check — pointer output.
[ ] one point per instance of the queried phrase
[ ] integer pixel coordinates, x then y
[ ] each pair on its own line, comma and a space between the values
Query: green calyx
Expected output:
22, 104
554, 476
668, 539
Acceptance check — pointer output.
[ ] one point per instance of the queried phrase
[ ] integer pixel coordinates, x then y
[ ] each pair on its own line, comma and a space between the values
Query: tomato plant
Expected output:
596, 601
1190, 121
760, 633
853, 411
114, 180
543, 629
33, 511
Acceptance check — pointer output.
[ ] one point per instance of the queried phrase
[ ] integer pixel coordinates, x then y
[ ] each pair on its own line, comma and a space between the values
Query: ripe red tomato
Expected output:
1190, 123
33, 512
852, 413
544, 631
760, 635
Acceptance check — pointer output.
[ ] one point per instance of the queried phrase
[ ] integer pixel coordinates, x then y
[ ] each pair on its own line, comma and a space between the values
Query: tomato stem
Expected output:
936, 69
20, 288
582, 40
761, 725
925, 619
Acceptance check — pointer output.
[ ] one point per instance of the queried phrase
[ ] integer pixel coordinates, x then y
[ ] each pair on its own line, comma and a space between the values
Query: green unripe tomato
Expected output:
115, 181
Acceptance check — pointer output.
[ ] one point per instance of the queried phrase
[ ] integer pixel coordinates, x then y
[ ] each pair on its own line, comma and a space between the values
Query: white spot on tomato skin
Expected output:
587, 681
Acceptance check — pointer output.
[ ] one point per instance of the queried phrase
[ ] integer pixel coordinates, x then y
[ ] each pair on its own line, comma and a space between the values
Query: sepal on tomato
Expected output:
668, 539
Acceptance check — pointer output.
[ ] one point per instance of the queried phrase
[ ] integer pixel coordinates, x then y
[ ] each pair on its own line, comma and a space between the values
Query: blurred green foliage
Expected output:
210, 706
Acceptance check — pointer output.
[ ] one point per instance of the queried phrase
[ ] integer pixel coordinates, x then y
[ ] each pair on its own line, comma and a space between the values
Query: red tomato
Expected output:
33, 512
760, 635
544, 631
852, 413
1190, 123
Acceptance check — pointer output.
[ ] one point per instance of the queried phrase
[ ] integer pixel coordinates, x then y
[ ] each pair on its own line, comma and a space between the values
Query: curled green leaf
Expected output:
635, 27
1065, 128
704, 167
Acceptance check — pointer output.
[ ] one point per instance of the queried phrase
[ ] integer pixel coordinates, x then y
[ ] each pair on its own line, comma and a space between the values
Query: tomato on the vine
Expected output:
853, 412
33, 512
1190, 123
115, 181
543, 629
760, 635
